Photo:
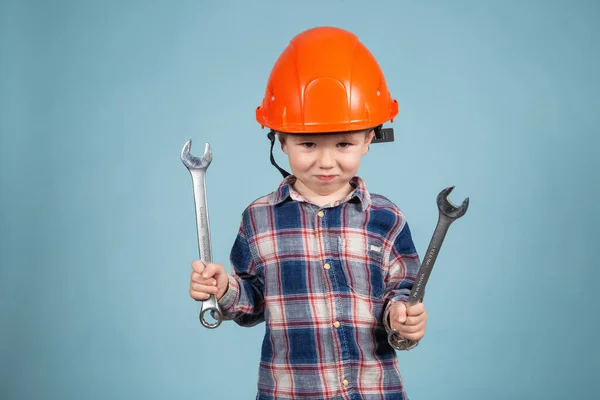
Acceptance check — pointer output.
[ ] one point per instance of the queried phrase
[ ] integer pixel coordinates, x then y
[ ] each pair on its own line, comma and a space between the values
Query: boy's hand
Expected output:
208, 279
409, 322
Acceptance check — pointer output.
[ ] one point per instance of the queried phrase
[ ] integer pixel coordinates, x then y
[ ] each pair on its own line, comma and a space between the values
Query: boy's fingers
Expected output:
200, 288
203, 282
198, 266
205, 271
412, 321
196, 277
415, 310
210, 270
400, 313
408, 320
413, 336
408, 329
409, 323
198, 295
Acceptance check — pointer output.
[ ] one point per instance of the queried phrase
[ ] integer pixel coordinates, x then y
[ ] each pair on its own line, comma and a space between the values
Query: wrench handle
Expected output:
202, 222
416, 293
204, 244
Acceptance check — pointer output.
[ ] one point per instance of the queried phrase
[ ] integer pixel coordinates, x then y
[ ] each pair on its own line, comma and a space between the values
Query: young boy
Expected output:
325, 264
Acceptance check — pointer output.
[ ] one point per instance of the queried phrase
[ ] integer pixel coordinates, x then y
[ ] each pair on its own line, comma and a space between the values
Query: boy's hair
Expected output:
283, 135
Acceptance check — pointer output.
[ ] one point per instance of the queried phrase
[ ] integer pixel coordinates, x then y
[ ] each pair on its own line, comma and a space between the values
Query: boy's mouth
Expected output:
325, 178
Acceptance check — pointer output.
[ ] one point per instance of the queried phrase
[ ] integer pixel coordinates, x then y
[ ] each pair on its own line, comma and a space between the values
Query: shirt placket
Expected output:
332, 267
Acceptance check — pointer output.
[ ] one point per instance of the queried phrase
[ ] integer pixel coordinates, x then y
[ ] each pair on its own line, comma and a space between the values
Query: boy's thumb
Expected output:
401, 313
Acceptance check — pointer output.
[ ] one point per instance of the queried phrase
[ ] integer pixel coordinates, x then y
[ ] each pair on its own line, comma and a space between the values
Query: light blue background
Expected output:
500, 98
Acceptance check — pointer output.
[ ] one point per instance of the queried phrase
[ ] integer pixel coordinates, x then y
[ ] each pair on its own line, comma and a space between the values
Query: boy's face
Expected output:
325, 163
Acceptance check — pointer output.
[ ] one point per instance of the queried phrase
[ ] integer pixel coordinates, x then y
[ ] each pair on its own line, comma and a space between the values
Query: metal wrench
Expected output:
197, 167
448, 213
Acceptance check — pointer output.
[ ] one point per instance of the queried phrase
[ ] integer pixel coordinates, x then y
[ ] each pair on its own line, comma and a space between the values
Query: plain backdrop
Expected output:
97, 232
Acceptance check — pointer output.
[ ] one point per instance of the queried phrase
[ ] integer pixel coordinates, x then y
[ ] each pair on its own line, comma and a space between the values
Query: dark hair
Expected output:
283, 135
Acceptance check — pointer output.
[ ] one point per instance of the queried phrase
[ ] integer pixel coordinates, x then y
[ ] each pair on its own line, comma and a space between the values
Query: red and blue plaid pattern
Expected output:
322, 279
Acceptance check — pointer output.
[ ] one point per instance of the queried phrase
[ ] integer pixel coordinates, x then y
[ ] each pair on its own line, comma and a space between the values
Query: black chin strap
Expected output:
271, 136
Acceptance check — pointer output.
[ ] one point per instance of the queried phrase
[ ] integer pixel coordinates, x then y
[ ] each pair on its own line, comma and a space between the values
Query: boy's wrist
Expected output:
230, 295
224, 292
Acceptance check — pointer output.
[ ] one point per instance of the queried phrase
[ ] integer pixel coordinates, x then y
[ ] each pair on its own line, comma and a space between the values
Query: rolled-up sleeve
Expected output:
244, 301
403, 266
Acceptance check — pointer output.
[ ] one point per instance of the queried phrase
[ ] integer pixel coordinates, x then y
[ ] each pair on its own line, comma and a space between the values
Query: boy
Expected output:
324, 263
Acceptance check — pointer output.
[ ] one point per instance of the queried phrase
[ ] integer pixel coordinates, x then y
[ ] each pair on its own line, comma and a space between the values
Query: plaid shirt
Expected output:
322, 279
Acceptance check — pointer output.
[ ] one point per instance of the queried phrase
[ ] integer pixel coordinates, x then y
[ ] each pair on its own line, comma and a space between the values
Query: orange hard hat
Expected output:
326, 80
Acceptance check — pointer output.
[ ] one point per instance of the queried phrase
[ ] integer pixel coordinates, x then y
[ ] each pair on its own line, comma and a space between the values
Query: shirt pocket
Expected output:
362, 259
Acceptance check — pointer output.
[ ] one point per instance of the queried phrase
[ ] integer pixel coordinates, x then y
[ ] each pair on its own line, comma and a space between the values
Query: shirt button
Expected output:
321, 214
345, 382
336, 324
326, 266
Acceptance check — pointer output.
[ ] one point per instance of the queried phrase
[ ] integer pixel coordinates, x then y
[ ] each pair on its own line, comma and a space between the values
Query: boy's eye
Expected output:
307, 144
344, 144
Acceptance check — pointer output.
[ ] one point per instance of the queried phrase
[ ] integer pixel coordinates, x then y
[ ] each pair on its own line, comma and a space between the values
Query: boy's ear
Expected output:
368, 139
282, 141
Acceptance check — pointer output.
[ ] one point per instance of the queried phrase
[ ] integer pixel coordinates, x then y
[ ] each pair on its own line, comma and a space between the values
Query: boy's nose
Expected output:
325, 160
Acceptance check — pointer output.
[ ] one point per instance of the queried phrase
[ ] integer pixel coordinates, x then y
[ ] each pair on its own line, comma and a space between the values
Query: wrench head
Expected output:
193, 162
449, 209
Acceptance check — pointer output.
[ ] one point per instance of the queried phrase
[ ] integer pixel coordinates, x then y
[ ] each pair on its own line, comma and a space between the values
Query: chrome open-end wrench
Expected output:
448, 213
197, 167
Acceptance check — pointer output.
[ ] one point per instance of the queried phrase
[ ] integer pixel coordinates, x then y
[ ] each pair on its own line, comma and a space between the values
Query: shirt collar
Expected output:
285, 192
